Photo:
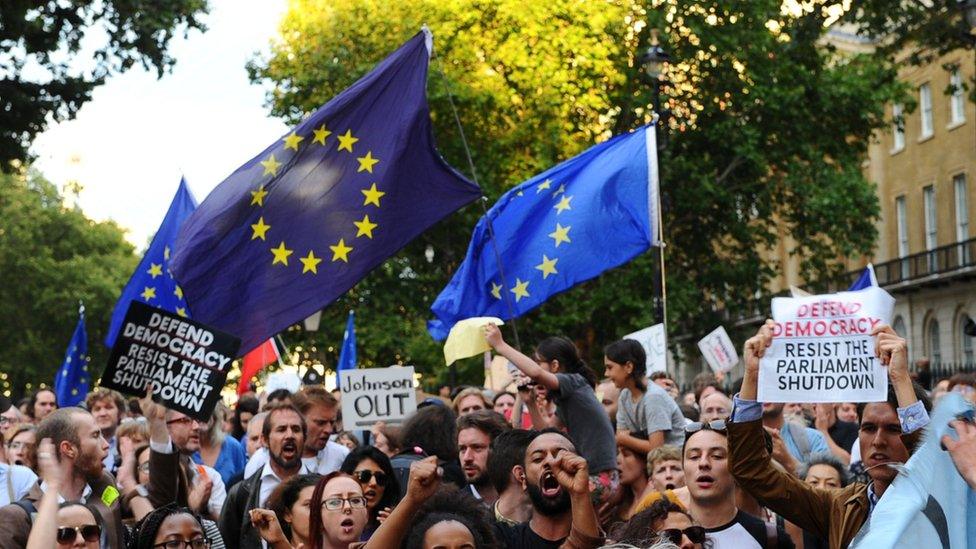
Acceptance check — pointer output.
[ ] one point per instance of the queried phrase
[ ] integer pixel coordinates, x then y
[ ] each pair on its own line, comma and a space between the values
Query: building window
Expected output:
962, 215
898, 128
966, 342
957, 101
901, 220
935, 347
925, 102
899, 326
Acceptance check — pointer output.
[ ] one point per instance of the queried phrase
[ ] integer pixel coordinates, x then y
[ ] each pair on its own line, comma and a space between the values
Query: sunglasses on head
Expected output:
365, 476
68, 534
694, 427
695, 533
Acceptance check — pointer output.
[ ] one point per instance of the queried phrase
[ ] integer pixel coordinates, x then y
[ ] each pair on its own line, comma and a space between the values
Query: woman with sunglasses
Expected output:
338, 512
372, 469
663, 520
73, 524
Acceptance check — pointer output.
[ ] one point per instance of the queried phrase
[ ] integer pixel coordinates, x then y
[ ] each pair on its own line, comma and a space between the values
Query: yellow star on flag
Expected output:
310, 263
178, 292
560, 235
320, 135
366, 162
563, 204
340, 251
560, 190
259, 229
496, 290
271, 166
292, 140
281, 254
543, 186
372, 196
346, 141
257, 197
155, 269
521, 289
166, 252
365, 227
148, 293
548, 266
181, 311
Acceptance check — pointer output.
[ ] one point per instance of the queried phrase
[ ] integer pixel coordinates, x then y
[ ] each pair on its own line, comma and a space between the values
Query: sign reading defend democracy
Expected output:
372, 395
822, 349
185, 361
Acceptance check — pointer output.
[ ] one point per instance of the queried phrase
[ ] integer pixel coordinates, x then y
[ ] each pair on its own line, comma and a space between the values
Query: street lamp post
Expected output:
654, 62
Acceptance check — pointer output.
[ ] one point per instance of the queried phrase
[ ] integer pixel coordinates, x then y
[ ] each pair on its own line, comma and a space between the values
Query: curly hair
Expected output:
144, 533
642, 528
451, 504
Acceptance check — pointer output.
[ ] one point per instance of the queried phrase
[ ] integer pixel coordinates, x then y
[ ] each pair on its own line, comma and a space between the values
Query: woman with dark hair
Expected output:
247, 407
372, 469
663, 519
558, 368
430, 431
647, 416
291, 502
169, 527
633, 482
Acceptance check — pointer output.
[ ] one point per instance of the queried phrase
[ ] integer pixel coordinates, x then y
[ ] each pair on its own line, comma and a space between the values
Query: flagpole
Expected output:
484, 199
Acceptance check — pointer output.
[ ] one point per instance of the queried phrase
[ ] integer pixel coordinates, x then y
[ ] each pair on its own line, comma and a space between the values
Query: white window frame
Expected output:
957, 100
901, 223
934, 342
966, 354
931, 219
961, 190
898, 129
925, 111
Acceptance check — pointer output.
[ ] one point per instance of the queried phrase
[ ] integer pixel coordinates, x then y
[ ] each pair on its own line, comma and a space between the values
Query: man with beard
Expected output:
79, 449
106, 407
557, 481
800, 441
476, 432
507, 451
283, 434
320, 454
206, 489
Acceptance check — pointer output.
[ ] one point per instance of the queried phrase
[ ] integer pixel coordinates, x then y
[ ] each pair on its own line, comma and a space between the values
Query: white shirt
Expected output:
218, 492
15, 478
85, 494
270, 481
327, 460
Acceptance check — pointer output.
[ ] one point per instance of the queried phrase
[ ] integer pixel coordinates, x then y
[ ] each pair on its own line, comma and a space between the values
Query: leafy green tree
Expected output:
767, 132
51, 257
44, 76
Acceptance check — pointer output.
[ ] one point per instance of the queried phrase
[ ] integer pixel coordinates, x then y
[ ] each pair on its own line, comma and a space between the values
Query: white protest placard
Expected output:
371, 395
822, 348
655, 345
718, 350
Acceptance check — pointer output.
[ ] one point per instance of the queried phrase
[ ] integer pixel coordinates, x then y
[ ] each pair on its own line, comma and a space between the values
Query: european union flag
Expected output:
588, 214
299, 224
153, 282
347, 355
72, 380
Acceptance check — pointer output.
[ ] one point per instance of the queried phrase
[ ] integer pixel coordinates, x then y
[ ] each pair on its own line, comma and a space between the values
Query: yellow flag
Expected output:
467, 338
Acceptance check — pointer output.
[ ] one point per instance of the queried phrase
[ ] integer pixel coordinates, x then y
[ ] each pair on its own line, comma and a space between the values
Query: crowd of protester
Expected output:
567, 458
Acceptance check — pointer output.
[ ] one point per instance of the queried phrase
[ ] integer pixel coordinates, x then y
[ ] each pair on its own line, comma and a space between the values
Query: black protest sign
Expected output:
185, 362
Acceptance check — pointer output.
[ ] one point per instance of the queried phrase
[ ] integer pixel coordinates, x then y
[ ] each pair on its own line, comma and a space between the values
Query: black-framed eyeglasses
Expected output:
185, 420
68, 534
695, 426
335, 504
366, 475
195, 543
695, 533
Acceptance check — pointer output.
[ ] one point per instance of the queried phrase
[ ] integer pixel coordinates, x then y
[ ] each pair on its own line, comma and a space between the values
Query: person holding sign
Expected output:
888, 433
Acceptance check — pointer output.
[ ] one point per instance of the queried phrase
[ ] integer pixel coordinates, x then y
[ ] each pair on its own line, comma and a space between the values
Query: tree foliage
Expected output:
45, 73
51, 257
768, 129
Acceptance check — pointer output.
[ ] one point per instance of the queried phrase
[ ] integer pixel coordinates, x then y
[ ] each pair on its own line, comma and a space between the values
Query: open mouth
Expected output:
289, 449
669, 486
347, 525
550, 486
705, 481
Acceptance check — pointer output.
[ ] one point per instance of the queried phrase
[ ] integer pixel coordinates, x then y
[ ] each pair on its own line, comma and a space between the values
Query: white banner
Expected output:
718, 350
370, 395
654, 342
822, 348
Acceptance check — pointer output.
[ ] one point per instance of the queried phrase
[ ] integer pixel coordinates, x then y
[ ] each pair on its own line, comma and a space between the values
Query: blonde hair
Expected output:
465, 394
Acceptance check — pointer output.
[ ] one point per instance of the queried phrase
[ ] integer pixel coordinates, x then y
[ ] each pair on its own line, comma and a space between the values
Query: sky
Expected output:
129, 145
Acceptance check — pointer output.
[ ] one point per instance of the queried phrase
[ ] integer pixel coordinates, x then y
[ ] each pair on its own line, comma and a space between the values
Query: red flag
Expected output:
255, 361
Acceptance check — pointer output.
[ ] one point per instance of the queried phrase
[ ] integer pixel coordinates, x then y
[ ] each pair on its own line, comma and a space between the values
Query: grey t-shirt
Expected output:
655, 411
587, 422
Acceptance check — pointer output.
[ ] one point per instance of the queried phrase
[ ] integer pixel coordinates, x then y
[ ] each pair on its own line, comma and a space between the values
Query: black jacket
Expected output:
235, 523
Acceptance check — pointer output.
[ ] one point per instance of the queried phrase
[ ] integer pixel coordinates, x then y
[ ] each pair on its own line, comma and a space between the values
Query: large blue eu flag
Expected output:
566, 225
153, 282
73, 380
298, 225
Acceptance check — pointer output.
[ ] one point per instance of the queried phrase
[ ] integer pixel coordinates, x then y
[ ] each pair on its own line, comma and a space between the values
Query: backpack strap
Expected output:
772, 535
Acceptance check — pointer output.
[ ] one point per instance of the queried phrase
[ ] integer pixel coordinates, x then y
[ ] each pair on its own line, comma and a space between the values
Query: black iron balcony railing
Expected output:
958, 258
